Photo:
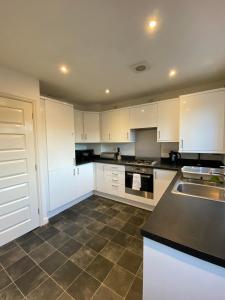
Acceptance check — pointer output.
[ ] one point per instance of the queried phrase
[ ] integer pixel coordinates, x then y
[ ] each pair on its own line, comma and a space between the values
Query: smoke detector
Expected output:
140, 67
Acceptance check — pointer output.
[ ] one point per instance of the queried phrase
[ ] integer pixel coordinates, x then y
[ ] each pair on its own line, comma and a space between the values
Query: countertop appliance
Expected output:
83, 156
146, 181
108, 155
174, 157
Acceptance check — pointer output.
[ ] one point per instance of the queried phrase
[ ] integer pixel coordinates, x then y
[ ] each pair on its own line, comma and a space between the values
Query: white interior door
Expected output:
18, 189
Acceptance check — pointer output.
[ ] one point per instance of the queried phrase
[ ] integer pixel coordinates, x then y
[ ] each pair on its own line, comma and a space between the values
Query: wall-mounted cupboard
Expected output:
143, 116
87, 127
115, 126
202, 122
168, 120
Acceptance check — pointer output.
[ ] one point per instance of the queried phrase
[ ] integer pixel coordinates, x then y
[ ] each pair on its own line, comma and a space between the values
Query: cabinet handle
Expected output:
182, 143
78, 171
81, 136
159, 134
155, 174
74, 172
115, 185
109, 135
74, 161
85, 136
115, 179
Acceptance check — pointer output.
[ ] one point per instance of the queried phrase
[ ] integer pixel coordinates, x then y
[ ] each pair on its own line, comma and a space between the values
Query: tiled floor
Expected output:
91, 251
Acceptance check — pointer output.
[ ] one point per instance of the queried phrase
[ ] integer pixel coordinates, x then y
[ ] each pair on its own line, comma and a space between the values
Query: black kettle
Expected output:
174, 157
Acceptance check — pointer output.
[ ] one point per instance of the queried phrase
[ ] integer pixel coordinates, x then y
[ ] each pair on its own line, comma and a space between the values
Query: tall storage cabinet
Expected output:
60, 152
202, 122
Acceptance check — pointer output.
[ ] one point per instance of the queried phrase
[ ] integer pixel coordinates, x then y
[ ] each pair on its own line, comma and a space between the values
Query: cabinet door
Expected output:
62, 188
84, 179
162, 179
60, 135
168, 121
106, 126
143, 116
202, 122
91, 127
79, 126
124, 125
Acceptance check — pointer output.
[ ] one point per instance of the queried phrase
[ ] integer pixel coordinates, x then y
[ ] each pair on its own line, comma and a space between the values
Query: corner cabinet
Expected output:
202, 122
87, 127
168, 120
162, 179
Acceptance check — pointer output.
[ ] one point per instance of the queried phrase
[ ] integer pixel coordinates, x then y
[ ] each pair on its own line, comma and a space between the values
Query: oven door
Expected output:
146, 189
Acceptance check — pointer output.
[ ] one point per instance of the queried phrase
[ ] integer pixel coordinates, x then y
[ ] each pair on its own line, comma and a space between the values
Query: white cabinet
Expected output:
143, 116
168, 121
60, 152
110, 179
202, 122
87, 127
115, 126
84, 179
162, 179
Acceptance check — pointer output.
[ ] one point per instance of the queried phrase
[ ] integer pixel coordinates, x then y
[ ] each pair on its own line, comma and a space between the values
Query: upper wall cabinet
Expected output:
168, 121
143, 116
202, 122
115, 126
87, 127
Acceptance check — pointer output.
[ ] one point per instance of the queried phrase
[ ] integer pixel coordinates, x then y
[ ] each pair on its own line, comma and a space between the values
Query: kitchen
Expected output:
111, 189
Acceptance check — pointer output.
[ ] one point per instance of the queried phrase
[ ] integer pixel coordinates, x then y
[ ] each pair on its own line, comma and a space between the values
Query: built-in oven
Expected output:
145, 176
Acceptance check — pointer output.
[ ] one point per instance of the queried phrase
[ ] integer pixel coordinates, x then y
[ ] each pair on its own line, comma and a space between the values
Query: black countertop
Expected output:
123, 162
192, 225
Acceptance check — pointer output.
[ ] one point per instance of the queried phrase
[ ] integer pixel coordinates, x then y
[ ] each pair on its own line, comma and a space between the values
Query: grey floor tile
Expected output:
65, 296
119, 280
123, 216
7, 247
136, 221
135, 291
4, 279
83, 287
97, 243
58, 239
31, 243
66, 274
48, 290
122, 239
136, 246
11, 256
20, 267
112, 251
31, 280
62, 224
70, 247
130, 261
140, 271
25, 237
83, 236
116, 224
11, 292
83, 256
40, 253
112, 212
48, 233
72, 229
130, 229
96, 226
100, 267
104, 293
108, 232
53, 262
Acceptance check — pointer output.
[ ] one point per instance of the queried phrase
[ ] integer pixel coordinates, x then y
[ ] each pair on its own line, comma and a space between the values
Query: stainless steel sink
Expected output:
191, 188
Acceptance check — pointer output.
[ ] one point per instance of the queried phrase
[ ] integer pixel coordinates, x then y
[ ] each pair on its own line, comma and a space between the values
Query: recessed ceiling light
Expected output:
152, 24
172, 73
64, 69
107, 91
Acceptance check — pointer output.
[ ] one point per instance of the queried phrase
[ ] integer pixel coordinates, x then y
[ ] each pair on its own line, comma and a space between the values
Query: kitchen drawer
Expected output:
114, 168
117, 189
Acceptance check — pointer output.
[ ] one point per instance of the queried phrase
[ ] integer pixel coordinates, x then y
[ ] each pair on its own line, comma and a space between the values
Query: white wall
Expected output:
18, 84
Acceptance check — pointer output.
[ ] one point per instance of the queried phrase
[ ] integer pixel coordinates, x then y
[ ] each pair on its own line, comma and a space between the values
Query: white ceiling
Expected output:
100, 39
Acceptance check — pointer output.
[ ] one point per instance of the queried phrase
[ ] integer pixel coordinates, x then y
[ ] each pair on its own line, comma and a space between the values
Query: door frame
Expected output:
40, 153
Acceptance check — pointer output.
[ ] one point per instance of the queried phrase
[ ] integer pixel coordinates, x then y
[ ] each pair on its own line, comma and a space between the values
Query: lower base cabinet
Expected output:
162, 179
67, 185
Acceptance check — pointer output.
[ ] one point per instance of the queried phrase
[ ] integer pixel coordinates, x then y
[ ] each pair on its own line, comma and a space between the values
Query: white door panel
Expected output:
18, 191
